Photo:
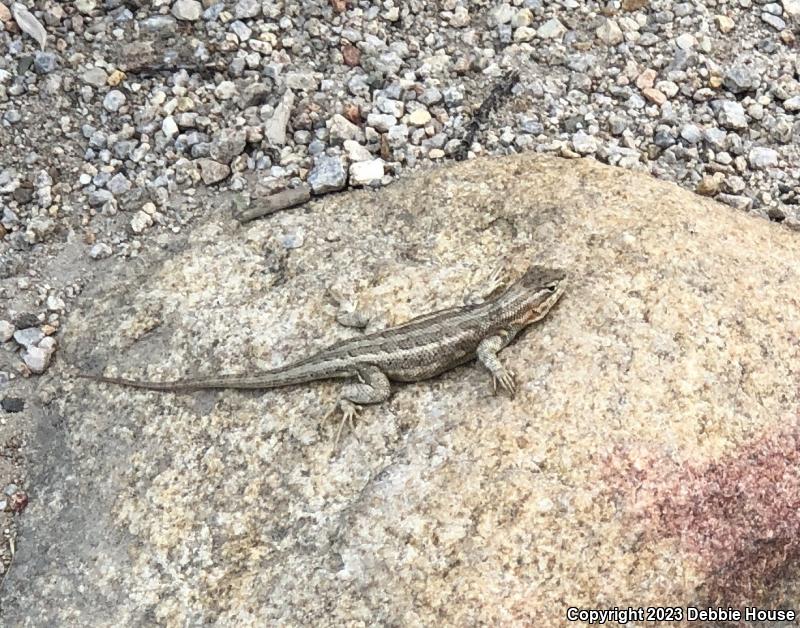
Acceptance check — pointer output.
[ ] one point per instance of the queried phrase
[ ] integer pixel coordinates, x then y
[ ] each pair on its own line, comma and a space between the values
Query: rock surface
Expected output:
674, 354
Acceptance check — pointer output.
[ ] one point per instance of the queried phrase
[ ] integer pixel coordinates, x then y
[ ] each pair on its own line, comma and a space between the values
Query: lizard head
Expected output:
531, 296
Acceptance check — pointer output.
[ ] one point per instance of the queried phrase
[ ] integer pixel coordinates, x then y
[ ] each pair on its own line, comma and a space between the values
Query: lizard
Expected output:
416, 350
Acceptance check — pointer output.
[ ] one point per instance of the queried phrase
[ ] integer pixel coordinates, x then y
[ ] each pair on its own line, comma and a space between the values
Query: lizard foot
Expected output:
506, 381
349, 413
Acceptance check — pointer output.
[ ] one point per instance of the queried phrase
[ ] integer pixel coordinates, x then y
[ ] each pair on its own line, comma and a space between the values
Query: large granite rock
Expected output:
650, 456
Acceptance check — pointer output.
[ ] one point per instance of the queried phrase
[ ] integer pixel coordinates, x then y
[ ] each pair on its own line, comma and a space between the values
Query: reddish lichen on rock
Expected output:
738, 515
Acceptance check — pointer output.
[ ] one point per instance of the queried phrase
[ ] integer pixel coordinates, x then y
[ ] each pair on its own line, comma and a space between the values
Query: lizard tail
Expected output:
260, 381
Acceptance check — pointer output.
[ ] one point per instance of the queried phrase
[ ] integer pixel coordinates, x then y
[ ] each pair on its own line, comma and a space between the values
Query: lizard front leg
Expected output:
488, 288
373, 387
487, 355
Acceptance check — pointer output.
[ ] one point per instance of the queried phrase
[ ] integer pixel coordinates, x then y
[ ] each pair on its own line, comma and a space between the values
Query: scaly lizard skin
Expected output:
419, 349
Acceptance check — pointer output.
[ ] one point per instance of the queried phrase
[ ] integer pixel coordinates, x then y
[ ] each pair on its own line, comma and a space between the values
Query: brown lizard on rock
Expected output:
419, 349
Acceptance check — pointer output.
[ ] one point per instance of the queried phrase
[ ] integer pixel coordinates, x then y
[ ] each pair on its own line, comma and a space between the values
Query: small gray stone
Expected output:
739, 202
453, 96
118, 184
610, 33
551, 29
169, 127
356, 152
246, 9
140, 221
430, 96
761, 158
395, 108
95, 76
225, 90
6, 330
381, 121
774, 21
741, 79
114, 100
792, 104
532, 126
228, 145
28, 337
791, 7
302, 81
663, 137
45, 62
327, 175
99, 197
501, 14
715, 138
37, 359
340, 129
157, 23
731, 115
101, 250
691, 133
187, 10
583, 143
275, 129
397, 135
366, 172
241, 30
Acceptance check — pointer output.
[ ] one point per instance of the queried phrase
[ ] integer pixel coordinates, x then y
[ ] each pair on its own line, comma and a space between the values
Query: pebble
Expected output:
212, 171
101, 250
760, 157
609, 32
551, 29
791, 7
731, 115
228, 145
646, 79
691, 133
340, 129
724, 23
792, 104
6, 330
654, 95
381, 121
773, 20
94, 76
114, 100
710, 185
356, 152
118, 184
740, 79
685, 41
583, 143
275, 129
12, 404
327, 175
141, 221
37, 359
45, 62
187, 10
169, 127
366, 172
29, 337
739, 202
419, 117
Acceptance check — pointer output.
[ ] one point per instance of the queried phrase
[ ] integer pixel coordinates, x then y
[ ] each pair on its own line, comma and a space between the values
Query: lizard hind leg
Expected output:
373, 387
